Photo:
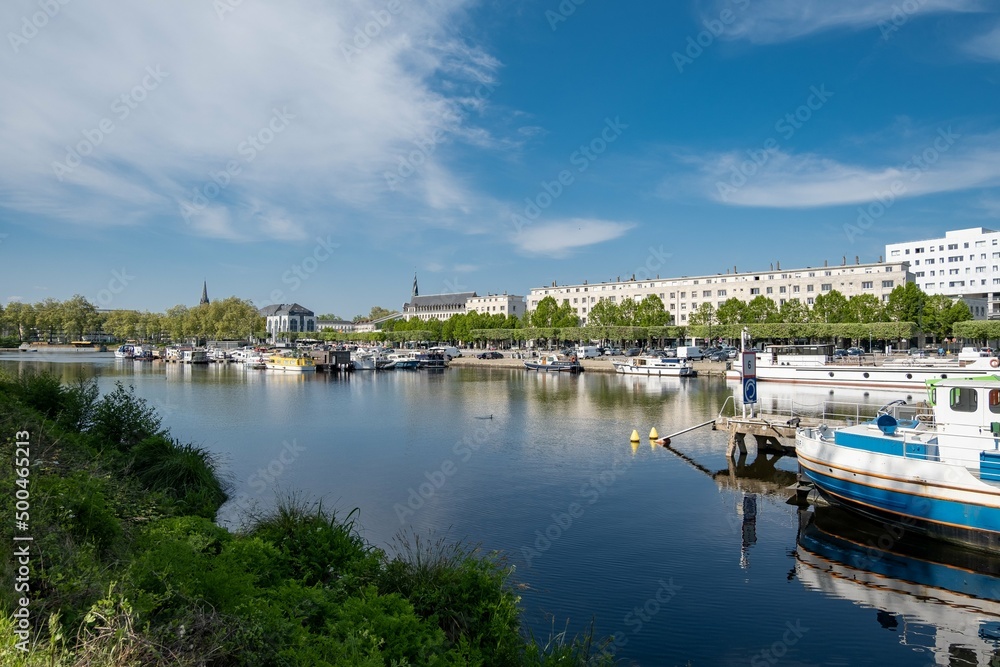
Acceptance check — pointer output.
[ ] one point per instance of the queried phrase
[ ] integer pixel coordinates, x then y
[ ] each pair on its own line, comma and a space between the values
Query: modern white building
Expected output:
684, 295
496, 304
287, 317
964, 263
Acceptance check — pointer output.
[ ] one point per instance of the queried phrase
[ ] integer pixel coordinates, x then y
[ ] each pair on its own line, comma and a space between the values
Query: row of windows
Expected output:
951, 246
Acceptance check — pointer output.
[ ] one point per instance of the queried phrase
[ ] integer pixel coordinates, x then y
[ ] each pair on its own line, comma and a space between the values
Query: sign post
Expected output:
749, 379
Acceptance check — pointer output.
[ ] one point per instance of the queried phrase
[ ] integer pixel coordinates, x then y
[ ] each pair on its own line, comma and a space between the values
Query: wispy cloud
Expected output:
810, 180
254, 111
985, 46
770, 21
559, 237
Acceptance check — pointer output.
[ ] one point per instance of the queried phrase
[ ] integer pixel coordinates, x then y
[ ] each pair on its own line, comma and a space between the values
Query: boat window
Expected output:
995, 401
964, 399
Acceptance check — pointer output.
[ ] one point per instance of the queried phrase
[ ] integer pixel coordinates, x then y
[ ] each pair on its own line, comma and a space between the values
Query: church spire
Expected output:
204, 293
416, 292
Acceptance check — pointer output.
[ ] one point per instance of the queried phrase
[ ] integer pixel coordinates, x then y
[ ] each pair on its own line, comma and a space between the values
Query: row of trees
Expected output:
52, 320
935, 315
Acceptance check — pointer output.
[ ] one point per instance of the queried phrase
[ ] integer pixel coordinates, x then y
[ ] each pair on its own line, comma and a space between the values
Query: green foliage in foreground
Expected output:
129, 568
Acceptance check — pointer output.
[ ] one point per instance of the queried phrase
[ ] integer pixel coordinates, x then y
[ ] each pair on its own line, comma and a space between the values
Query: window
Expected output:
963, 399
930, 260
722, 292
809, 288
795, 289
918, 274
917, 251
755, 290
707, 293
811, 301
826, 287
770, 290
886, 284
894, 253
782, 289
868, 284
952, 246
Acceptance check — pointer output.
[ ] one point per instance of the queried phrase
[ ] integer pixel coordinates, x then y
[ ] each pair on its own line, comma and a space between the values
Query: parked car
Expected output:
633, 352
719, 355
855, 351
839, 353
490, 355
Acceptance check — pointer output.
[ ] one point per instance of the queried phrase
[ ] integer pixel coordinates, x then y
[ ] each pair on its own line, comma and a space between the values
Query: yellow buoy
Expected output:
653, 435
635, 436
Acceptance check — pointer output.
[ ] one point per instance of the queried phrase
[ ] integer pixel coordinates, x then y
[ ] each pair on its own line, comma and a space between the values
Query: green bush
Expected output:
465, 591
121, 420
316, 547
185, 473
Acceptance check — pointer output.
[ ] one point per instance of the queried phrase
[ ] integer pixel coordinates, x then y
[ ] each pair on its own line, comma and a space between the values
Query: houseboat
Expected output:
288, 363
933, 470
815, 365
551, 363
656, 366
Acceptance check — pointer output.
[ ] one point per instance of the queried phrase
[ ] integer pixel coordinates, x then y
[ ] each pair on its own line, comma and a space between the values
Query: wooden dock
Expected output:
771, 433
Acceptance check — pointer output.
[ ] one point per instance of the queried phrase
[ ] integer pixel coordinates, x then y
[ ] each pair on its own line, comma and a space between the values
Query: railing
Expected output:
831, 411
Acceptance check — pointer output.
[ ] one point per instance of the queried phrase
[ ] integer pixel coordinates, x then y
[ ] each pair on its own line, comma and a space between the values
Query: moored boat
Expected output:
551, 363
815, 365
294, 364
656, 366
935, 471
125, 351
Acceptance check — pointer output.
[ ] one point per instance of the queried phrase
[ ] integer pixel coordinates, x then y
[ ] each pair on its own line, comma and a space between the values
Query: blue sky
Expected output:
325, 152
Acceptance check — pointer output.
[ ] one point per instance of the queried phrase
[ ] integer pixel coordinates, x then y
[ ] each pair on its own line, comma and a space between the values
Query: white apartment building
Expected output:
965, 263
437, 306
496, 304
683, 296
290, 317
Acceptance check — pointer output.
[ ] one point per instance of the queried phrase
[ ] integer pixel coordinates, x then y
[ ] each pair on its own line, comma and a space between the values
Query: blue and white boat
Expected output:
935, 472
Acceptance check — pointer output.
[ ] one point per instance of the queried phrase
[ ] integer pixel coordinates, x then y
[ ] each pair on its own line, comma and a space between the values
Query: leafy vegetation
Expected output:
130, 569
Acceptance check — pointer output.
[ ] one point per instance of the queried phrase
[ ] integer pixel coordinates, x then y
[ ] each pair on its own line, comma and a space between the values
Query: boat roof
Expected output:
978, 381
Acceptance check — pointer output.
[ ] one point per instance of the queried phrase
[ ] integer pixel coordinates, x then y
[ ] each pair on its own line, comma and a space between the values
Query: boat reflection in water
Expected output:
941, 599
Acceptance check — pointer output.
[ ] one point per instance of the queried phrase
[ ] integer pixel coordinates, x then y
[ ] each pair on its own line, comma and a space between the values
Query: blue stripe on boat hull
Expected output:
969, 525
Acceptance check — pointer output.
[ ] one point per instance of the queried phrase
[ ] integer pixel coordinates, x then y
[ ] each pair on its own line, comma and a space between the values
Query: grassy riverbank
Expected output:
126, 565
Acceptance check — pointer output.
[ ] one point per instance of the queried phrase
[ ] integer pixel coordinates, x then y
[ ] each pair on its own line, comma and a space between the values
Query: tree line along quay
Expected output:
907, 313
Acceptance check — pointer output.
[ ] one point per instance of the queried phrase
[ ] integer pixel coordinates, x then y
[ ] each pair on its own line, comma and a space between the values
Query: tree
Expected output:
830, 308
760, 309
544, 313
79, 316
705, 315
865, 309
628, 312
604, 313
565, 316
731, 312
793, 311
20, 317
941, 314
378, 312
651, 313
329, 316
906, 304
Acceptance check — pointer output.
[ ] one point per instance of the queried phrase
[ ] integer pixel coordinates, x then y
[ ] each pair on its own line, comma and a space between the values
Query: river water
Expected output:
679, 554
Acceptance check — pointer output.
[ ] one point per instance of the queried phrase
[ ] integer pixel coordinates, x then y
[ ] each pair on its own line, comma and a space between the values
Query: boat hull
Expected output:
941, 500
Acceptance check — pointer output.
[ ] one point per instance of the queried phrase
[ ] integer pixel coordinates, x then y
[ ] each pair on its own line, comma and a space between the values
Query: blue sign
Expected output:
749, 390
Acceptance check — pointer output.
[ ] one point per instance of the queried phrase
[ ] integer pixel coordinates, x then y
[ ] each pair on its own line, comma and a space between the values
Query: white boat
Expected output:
551, 363
290, 364
125, 351
656, 366
936, 473
814, 364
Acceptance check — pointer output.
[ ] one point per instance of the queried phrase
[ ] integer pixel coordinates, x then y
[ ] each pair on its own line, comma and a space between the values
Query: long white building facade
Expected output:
964, 263
683, 296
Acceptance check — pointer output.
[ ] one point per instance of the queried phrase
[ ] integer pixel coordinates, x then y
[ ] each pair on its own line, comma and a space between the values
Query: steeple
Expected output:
204, 294
416, 292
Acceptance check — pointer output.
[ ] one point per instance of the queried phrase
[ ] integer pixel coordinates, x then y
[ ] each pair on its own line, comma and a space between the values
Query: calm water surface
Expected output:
673, 552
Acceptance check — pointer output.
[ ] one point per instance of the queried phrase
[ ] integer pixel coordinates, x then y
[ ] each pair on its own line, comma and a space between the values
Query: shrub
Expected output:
316, 547
465, 591
185, 473
122, 420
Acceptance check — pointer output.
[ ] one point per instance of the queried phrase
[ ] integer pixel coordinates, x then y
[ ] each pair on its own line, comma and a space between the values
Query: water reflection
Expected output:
935, 598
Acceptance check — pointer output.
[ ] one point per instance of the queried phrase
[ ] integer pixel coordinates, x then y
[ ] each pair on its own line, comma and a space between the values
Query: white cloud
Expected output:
985, 46
770, 21
259, 111
557, 238
948, 162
